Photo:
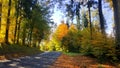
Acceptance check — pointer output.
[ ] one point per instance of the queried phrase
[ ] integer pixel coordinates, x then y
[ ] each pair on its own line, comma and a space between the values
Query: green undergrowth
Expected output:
18, 49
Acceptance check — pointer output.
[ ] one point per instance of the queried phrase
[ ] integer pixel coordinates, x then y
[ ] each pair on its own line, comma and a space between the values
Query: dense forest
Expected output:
23, 21
28, 23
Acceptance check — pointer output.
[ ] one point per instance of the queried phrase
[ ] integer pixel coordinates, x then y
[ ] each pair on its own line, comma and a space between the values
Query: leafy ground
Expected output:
15, 51
78, 61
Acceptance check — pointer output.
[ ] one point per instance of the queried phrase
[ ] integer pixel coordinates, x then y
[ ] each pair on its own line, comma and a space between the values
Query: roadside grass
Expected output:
14, 50
72, 53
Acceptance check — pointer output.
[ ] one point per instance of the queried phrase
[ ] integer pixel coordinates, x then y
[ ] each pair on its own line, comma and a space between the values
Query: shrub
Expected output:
86, 46
71, 42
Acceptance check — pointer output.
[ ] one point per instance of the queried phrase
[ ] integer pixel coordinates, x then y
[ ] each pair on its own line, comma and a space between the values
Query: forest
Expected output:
28, 25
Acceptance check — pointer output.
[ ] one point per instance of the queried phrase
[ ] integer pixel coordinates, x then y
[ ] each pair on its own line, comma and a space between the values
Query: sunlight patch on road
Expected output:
13, 65
21, 67
5, 60
37, 57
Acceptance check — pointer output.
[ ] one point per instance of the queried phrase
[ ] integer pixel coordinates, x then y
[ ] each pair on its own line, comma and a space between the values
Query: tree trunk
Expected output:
89, 11
8, 23
78, 15
24, 35
102, 20
18, 35
116, 5
78, 22
31, 32
16, 24
0, 14
15, 30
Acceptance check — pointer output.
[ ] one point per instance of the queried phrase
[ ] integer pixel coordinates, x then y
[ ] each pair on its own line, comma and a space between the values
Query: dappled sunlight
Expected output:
43, 60
37, 58
5, 60
14, 64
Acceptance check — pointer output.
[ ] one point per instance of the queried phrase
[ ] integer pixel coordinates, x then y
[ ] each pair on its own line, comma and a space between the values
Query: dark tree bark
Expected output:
15, 30
31, 33
116, 5
85, 20
8, 23
24, 34
102, 20
16, 24
78, 15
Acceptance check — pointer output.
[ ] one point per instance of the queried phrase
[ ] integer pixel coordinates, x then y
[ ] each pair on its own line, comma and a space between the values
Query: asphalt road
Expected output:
43, 60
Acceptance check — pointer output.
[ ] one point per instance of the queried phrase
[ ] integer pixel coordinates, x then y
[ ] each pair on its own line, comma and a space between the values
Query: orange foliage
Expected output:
61, 31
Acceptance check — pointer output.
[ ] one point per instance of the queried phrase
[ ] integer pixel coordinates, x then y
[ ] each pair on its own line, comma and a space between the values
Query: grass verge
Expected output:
14, 51
72, 53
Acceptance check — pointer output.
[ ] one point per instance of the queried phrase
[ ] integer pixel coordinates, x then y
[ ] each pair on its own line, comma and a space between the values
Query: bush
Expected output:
86, 46
100, 46
71, 42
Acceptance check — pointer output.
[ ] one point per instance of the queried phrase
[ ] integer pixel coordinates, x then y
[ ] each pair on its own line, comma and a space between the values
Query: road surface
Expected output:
43, 60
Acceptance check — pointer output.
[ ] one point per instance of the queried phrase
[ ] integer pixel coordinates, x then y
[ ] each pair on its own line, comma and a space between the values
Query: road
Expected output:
43, 60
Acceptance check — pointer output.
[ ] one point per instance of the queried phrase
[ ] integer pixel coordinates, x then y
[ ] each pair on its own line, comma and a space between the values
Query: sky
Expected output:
108, 14
58, 16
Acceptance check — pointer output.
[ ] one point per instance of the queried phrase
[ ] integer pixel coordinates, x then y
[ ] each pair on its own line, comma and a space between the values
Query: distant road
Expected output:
43, 60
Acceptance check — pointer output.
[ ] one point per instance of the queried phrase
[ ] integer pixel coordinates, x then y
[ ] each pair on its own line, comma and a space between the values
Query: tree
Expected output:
102, 20
18, 30
72, 40
17, 14
85, 20
61, 31
116, 5
89, 11
78, 14
32, 21
0, 14
8, 23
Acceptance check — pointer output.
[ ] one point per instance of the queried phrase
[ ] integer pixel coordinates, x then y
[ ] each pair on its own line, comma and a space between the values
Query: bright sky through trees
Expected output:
58, 16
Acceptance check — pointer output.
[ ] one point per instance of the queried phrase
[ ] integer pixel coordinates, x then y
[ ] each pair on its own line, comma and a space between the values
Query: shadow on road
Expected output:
43, 60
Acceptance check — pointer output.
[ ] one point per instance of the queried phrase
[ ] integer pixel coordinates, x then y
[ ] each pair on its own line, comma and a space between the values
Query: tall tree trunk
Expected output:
78, 22
24, 34
8, 23
15, 33
16, 24
78, 15
18, 33
89, 11
0, 14
116, 5
31, 33
102, 20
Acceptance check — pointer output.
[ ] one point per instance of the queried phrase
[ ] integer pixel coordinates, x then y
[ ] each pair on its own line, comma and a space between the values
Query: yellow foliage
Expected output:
73, 28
